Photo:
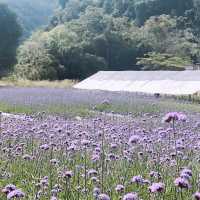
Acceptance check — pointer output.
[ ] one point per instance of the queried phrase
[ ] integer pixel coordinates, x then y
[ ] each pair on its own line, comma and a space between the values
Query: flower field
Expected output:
96, 145
152, 156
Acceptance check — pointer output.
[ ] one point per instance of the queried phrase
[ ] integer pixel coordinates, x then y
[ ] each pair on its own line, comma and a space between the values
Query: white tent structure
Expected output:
152, 82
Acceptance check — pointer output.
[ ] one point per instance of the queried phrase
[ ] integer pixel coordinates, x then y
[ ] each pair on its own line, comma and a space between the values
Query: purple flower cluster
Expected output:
12, 192
174, 116
101, 158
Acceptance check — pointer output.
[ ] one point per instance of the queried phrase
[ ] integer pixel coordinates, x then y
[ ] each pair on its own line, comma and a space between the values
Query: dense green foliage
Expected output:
157, 61
9, 38
85, 36
140, 10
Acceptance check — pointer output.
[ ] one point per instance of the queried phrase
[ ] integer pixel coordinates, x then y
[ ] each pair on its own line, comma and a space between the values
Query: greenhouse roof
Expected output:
162, 82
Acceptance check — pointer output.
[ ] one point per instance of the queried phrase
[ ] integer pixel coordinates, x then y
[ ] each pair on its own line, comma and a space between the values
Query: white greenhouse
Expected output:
152, 82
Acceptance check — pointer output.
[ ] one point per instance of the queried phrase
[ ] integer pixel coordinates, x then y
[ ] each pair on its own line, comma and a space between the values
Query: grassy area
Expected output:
65, 110
86, 110
27, 83
164, 105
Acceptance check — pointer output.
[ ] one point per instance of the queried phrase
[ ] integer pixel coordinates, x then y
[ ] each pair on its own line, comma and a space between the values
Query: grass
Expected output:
160, 106
6, 82
128, 108
64, 110
86, 110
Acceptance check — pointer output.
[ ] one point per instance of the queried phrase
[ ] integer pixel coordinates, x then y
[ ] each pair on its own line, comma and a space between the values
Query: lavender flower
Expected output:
15, 194
182, 183
174, 116
119, 188
186, 173
44, 147
9, 188
197, 196
157, 187
137, 179
67, 174
133, 139
130, 196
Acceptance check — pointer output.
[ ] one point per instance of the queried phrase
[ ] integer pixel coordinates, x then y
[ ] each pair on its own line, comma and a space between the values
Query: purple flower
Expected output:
137, 179
197, 195
85, 142
182, 183
113, 146
119, 188
9, 188
95, 157
130, 196
157, 187
182, 117
15, 194
68, 174
174, 116
154, 174
44, 147
133, 139
44, 181
186, 173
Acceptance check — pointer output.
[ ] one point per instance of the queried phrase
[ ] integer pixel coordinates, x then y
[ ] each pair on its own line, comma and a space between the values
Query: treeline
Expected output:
85, 36
138, 10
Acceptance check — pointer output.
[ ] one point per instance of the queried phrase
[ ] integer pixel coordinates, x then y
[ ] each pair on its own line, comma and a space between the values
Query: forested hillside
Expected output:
85, 36
139, 10
32, 13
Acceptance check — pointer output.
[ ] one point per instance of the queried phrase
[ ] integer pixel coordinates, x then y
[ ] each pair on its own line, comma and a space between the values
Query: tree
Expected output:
157, 61
9, 37
145, 9
158, 32
34, 60
58, 54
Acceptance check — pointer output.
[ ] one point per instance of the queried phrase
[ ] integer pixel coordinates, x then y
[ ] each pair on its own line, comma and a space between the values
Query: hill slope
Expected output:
32, 14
